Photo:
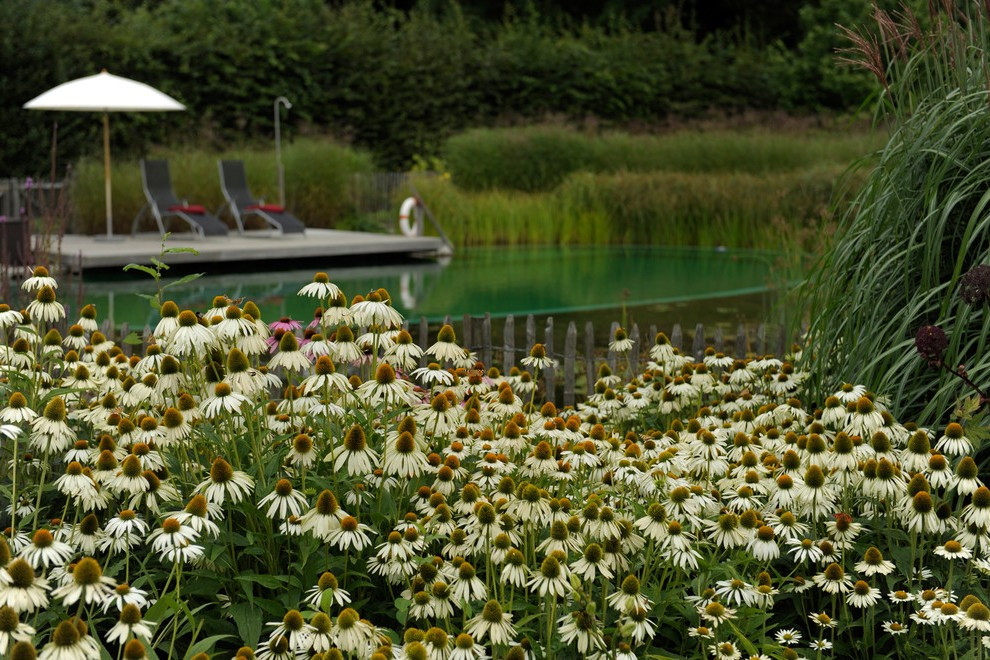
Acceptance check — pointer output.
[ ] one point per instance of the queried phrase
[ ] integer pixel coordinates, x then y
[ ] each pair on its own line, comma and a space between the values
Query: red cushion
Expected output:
272, 208
198, 209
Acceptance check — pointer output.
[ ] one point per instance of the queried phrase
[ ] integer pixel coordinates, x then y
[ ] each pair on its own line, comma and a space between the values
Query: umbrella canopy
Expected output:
104, 93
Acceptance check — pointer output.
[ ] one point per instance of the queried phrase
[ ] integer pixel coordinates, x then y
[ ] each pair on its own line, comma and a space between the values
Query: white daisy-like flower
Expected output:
175, 542
283, 501
225, 483
45, 308
321, 288
492, 623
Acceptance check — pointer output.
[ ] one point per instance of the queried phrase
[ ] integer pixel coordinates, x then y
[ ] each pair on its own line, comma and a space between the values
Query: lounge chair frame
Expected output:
238, 198
159, 201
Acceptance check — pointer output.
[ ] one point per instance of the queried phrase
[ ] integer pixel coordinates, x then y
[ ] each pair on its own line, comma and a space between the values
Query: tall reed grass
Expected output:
541, 157
921, 220
317, 179
769, 211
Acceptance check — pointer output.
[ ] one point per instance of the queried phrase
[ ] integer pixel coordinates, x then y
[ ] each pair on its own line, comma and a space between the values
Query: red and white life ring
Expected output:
409, 207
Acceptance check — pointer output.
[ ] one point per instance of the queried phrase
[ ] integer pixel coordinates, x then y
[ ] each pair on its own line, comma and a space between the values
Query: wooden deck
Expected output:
80, 253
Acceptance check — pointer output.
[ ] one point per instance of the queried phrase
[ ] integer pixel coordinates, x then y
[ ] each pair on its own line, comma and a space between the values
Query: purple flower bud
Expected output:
931, 343
974, 286
28, 183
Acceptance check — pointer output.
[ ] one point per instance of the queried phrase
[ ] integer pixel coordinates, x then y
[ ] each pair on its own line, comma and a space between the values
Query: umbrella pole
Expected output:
106, 181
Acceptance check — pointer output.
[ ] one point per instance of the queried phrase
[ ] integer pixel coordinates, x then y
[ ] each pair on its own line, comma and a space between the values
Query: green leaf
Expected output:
248, 620
180, 250
204, 645
402, 609
134, 339
185, 279
143, 269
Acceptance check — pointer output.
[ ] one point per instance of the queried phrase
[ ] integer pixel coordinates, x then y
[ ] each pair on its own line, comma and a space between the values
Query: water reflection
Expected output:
502, 281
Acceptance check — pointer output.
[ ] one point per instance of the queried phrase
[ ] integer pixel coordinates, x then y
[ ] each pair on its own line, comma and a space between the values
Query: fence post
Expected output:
612, 357
761, 339
127, 348
742, 342
634, 352
509, 344
698, 344
589, 356
424, 338
570, 363
549, 374
486, 339
677, 337
781, 342
466, 340
718, 341
530, 333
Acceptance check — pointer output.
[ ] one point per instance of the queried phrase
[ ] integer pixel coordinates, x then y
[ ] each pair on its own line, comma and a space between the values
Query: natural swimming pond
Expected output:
666, 284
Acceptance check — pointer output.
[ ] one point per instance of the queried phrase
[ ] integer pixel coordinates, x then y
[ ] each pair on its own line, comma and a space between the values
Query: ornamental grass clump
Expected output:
224, 501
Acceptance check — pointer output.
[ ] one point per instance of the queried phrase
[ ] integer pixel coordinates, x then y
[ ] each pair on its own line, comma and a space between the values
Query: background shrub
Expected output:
317, 175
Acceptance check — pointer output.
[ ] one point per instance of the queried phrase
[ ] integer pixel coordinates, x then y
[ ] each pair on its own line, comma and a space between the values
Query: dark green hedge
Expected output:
397, 83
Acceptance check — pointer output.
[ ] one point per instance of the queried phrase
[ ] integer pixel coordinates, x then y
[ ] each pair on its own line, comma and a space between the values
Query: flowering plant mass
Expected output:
230, 493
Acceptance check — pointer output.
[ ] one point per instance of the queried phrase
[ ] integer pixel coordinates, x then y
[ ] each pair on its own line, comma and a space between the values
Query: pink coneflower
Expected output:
285, 324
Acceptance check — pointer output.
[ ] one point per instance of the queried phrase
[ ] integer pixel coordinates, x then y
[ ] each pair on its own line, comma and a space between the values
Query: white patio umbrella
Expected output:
104, 93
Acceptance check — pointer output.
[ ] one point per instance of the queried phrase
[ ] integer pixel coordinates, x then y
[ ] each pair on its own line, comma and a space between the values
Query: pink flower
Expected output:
285, 323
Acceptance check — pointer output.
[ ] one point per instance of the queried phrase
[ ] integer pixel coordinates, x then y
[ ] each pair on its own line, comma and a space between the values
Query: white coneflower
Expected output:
74, 483
353, 634
294, 629
325, 378
345, 349
592, 564
466, 649
628, 598
123, 595
189, 339
874, 564
581, 628
50, 432
376, 310
384, 389
432, 374
9, 317
129, 479
977, 512
493, 623
284, 500
446, 348
321, 288
726, 532
788, 637
952, 549
224, 401
45, 308
130, 624
405, 459
550, 579
225, 483
70, 641
736, 592
20, 589
317, 347
403, 353
87, 585
233, 325
12, 630
864, 420
894, 628
833, 580
17, 410
804, 550
716, 613
763, 546
354, 453
324, 518
327, 592
538, 358
967, 476
515, 571
289, 357
976, 618
322, 634
953, 442
175, 542
351, 535
466, 587
939, 472
39, 278
863, 595
45, 551
621, 343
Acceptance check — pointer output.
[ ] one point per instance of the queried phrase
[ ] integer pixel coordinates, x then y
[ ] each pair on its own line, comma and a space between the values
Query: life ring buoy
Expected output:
409, 206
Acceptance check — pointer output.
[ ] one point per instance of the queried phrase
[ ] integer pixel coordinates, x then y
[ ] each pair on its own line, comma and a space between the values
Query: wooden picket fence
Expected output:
574, 365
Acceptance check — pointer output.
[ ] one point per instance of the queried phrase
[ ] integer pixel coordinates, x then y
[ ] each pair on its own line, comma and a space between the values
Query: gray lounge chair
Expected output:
164, 205
242, 204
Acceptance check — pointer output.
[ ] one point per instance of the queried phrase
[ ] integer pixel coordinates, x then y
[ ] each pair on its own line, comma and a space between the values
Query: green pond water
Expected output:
650, 285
